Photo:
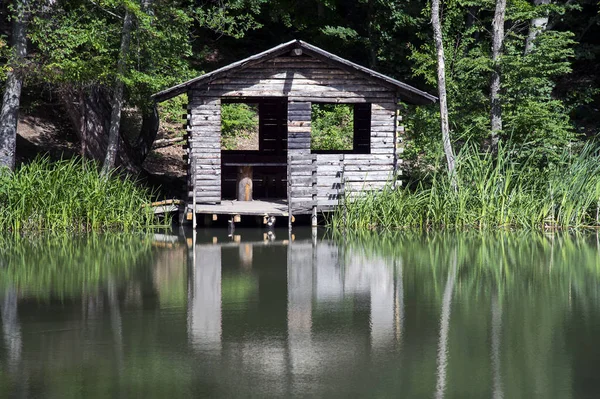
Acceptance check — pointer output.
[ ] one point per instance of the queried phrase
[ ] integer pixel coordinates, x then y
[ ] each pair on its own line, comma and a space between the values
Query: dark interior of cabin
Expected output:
269, 160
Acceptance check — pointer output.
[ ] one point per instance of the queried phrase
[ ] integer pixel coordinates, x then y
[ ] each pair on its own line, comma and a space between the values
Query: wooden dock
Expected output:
231, 210
256, 208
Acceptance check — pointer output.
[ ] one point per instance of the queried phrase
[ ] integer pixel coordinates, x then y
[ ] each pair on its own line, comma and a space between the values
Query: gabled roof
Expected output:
406, 92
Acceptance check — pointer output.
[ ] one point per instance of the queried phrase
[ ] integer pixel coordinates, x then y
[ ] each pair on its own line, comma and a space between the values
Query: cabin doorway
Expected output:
254, 144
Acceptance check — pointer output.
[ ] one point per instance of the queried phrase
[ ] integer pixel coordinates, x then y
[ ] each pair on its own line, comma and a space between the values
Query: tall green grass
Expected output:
71, 195
493, 191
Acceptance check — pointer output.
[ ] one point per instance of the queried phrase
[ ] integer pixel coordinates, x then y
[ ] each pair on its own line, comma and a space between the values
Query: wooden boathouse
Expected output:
284, 177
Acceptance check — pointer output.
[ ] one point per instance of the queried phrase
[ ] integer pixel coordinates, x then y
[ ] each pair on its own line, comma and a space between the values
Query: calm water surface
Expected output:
207, 315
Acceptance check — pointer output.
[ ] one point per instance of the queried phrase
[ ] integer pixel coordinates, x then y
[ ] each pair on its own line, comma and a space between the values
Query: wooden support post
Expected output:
313, 218
289, 194
244, 183
194, 197
395, 167
343, 185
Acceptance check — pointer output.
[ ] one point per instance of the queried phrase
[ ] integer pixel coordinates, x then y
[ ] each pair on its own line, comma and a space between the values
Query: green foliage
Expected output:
4, 55
77, 42
233, 18
493, 192
332, 127
238, 121
71, 195
533, 118
78, 45
170, 112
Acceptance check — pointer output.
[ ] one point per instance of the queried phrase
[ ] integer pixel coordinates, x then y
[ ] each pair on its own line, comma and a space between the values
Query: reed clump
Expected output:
492, 191
71, 195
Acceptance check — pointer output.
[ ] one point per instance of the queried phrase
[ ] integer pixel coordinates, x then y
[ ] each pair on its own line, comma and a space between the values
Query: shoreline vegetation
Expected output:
501, 190
493, 191
72, 196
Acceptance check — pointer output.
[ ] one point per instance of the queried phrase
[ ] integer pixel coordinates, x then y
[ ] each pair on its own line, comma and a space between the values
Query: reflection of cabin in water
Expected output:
284, 175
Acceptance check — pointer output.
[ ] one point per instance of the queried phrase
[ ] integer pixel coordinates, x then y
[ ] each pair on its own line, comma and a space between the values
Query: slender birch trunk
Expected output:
497, 42
536, 26
441, 72
9, 114
117, 103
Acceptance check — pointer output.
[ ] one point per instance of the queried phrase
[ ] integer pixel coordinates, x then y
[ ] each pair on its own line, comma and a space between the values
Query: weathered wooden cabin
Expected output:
284, 177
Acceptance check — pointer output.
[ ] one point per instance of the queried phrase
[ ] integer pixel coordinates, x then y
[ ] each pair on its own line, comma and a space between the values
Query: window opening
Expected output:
332, 127
340, 128
240, 126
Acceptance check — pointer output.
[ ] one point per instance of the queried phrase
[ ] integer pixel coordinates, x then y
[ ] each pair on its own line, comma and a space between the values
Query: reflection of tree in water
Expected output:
537, 280
374, 316
442, 360
77, 283
11, 328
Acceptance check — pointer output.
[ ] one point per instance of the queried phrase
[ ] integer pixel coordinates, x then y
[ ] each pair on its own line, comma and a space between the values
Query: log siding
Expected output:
316, 180
298, 74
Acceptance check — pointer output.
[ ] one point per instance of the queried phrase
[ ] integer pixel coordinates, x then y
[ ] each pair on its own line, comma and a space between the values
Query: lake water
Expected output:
205, 314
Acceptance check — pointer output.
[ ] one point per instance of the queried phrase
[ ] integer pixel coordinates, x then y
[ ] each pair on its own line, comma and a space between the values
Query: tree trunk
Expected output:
244, 183
147, 136
370, 35
536, 26
497, 41
115, 117
441, 71
9, 115
89, 111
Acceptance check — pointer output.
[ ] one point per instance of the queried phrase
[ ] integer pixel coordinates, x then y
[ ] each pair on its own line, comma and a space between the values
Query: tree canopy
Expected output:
550, 79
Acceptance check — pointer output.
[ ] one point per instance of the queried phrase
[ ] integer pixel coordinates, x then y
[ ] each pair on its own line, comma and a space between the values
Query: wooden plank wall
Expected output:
204, 141
302, 164
366, 172
330, 179
314, 178
300, 78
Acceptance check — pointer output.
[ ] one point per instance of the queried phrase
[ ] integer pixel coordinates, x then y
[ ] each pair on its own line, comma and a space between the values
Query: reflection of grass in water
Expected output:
67, 265
511, 263
543, 285
170, 276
